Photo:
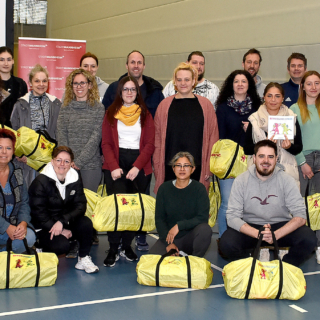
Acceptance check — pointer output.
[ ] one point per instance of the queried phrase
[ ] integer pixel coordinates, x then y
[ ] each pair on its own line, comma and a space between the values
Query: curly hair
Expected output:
185, 66
93, 92
118, 102
227, 89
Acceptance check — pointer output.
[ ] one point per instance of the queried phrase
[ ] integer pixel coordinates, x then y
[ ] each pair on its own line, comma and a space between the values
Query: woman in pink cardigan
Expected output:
184, 122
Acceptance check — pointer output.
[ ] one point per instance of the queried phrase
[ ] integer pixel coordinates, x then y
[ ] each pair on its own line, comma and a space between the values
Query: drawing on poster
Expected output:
279, 126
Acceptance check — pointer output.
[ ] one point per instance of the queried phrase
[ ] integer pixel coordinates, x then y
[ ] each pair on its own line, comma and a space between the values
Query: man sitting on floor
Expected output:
265, 195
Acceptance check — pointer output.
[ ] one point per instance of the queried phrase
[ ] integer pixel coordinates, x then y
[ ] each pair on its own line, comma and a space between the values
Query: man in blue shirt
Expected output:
297, 66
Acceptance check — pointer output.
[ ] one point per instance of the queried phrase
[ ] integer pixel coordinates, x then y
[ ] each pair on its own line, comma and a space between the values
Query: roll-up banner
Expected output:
6, 23
58, 56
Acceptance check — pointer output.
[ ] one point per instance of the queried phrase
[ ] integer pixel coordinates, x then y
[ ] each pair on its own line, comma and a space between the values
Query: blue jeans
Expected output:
17, 245
225, 189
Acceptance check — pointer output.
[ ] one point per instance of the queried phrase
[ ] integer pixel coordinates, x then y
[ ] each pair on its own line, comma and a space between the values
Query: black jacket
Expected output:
47, 206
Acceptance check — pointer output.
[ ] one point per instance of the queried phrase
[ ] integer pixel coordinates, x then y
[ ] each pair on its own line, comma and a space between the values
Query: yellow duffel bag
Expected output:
92, 199
122, 212
312, 208
215, 202
27, 270
37, 147
174, 272
252, 279
227, 159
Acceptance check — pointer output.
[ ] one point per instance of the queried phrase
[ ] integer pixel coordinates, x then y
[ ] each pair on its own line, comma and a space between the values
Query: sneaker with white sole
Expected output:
264, 255
141, 243
111, 258
86, 264
282, 253
128, 254
318, 255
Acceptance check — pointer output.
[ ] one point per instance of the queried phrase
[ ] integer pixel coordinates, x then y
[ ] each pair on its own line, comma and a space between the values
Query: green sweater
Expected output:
186, 207
310, 132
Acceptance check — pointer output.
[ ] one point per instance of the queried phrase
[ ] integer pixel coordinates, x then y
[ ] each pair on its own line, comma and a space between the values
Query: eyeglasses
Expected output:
79, 84
127, 90
60, 161
183, 166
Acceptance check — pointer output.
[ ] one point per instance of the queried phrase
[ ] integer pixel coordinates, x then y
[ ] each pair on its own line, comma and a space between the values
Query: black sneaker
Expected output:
111, 259
128, 254
74, 249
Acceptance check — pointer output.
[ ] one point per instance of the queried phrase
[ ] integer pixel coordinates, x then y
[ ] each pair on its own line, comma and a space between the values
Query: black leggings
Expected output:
81, 229
122, 185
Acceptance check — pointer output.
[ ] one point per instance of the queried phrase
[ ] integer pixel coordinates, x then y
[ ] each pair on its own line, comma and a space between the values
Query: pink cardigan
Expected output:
210, 137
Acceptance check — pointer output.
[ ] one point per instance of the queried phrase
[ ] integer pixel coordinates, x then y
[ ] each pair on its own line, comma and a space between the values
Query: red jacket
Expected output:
110, 145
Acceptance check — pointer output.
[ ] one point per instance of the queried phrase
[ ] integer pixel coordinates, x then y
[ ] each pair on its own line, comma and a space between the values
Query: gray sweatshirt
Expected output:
79, 128
259, 202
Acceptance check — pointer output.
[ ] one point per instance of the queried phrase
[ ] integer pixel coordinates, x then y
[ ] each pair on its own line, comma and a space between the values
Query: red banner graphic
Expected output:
59, 57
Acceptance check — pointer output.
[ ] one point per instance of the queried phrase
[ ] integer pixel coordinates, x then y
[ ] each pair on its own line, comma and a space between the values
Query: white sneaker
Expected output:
86, 264
264, 255
318, 255
282, 253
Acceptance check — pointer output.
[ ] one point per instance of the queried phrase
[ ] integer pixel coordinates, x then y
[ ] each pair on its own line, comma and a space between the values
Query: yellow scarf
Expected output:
129, 115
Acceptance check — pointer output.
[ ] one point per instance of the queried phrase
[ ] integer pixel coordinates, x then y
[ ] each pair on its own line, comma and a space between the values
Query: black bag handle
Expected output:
255, 258
306, 194
170, 253
9, 249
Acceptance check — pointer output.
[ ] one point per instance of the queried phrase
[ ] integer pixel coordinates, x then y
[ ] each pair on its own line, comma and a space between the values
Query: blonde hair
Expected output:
302, 100
188, 67
93, 92
37, 68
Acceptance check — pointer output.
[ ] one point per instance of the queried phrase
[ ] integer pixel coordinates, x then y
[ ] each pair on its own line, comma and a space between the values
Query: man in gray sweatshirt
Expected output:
266, 196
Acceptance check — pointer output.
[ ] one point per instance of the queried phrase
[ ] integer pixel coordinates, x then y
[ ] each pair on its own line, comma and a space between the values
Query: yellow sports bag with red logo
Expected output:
27, 270
120, 212
227, 159
252, 279
312, 208
36, 146
173, 271
215, 201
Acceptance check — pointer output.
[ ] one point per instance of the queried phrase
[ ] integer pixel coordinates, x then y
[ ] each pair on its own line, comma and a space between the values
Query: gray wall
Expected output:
167, 30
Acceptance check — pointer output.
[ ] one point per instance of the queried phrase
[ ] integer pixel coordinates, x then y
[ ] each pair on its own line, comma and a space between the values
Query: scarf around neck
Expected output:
129, 115
241, 107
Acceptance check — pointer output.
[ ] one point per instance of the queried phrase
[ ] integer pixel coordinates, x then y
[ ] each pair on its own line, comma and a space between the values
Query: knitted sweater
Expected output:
79, 128
310, 132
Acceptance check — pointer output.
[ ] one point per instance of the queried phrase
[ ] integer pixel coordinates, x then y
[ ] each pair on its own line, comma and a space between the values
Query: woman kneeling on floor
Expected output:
58, 205
182, 211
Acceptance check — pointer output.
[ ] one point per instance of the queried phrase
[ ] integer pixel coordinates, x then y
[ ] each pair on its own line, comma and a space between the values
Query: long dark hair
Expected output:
118, 102
1, 88
227, 89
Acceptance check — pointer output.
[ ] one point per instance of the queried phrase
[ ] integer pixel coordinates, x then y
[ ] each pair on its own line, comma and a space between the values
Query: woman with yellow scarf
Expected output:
127, 146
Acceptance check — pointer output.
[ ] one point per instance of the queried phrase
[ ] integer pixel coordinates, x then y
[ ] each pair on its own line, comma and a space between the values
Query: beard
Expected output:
200, 77
265, 172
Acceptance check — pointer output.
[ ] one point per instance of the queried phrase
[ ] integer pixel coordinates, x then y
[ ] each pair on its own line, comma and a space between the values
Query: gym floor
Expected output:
114, 293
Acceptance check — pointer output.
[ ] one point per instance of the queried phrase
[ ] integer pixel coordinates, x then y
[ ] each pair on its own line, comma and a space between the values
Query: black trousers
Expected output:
81, 229
196, 242
236, 245
122, 185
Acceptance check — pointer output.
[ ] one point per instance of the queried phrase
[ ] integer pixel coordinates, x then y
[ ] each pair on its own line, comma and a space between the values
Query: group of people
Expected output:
140, 128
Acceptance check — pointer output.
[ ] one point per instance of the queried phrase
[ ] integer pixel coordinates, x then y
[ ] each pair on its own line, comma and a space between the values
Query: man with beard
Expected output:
297, 67
251, 62
150, 89
204, 88
266, 196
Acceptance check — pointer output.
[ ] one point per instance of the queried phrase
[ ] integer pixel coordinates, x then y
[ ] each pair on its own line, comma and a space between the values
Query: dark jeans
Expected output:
196, 242
81, 229
302, 241
169, 174
122, 185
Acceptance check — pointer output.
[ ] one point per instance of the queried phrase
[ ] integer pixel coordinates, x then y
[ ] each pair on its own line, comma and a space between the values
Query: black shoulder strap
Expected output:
232, 162
117, 213
142, 212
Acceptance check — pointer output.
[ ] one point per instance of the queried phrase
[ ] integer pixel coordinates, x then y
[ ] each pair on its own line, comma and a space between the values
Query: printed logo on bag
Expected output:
128, 200
264, 202
43, 146
316, 204
176, 261
72, 192
243, 158
18, 264
18, 134
24, 262
216, 155
266, 273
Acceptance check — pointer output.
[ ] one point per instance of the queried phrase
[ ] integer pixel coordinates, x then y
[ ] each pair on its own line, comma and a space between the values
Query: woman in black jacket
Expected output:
58, 205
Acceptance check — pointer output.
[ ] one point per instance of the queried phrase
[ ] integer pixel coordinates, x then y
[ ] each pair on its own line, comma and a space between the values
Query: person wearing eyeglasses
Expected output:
79, 126
182, 211
127, 146
36, 110
58, 205
184, 121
